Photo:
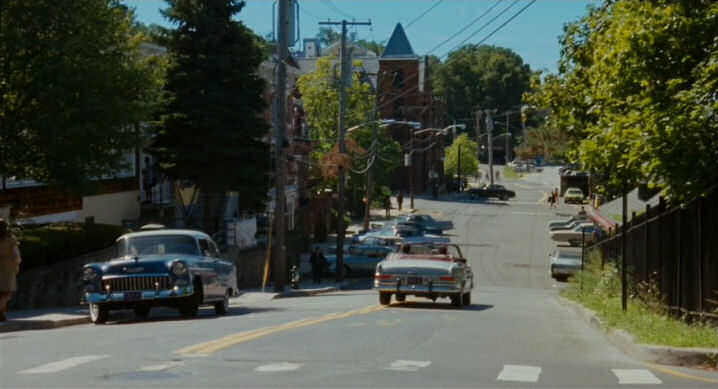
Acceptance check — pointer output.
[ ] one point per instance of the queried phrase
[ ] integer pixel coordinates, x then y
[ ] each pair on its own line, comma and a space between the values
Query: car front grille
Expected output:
136, 283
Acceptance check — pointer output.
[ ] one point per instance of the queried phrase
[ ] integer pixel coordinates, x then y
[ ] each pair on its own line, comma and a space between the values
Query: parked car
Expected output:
428, 223
389, 241
429, 270
564, 262
359, 259
491, 190
568, 223
174, 268
574, 235
573, 195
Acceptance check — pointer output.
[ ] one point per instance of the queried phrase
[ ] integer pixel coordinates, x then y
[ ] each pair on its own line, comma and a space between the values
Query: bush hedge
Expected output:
42, 245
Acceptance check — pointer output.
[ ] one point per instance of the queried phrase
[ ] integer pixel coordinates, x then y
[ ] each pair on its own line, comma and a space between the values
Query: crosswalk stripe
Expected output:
281, 366
520, 373
68, 363
404, 365
635, 376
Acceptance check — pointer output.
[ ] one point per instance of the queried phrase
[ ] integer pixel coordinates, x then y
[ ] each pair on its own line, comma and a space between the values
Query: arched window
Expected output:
398, 78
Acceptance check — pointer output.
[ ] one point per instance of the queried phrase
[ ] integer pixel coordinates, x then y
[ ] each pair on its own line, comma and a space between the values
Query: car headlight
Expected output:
89, 274
178, 268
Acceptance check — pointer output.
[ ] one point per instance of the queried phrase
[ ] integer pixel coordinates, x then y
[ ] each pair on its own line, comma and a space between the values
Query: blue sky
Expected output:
533, 33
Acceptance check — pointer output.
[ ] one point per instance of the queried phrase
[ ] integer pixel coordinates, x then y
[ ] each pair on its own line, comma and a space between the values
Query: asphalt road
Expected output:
515, 334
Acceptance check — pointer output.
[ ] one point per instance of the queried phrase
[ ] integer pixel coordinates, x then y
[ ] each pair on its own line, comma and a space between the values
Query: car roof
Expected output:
190, 233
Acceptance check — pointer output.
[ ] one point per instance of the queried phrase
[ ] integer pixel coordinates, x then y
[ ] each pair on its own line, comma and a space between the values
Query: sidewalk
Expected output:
43, 319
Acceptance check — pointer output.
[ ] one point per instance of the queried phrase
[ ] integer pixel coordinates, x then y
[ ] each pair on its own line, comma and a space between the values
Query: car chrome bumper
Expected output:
563, 271
146, 295
417, 289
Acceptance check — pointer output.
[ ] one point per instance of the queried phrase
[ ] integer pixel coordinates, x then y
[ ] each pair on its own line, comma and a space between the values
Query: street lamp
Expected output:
408, 157
370, 173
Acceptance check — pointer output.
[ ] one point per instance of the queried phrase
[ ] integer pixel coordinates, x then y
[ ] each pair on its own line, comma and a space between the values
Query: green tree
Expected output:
327, 36
212, 130
636, 95
73, 86
469, 162
320, 94
480, 77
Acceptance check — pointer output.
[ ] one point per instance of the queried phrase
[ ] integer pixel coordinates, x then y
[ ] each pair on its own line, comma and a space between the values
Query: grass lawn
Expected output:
646, 317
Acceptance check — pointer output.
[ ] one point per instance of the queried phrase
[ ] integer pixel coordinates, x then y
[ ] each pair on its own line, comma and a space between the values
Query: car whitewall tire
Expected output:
98, 313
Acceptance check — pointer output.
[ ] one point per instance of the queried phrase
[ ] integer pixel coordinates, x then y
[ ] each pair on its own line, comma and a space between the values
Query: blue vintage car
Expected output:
173, 268
359, 259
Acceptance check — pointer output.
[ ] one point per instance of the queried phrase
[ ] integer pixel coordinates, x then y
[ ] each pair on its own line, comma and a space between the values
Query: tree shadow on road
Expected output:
440, 305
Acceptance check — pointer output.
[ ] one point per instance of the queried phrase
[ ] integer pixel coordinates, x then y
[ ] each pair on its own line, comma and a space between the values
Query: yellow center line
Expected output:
544, 197
213, 346
679, 374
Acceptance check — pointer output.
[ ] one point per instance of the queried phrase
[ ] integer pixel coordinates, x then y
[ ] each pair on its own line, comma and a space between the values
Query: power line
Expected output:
467, 26
336, 9
496, 29
423, 14
309, 13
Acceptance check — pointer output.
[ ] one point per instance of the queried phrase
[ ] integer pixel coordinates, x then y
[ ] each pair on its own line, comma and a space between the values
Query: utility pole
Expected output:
458, 169
411, 167
370, 173
477, 129
344, 73
508, 134
279, 266
490, 129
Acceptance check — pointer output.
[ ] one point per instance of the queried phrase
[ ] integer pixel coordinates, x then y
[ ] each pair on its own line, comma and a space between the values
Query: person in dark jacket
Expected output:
318, 262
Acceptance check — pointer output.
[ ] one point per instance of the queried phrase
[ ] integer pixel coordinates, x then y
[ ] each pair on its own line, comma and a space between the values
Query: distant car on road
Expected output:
430, 270
559, 224
564, 262
573, 195
427, 223
491, 190
174, 268
574, 235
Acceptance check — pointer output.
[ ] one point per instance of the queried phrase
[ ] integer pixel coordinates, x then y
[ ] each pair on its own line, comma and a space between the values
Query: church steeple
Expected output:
398, 46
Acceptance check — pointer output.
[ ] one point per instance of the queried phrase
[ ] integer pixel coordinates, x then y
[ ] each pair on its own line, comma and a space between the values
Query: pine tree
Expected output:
212, 130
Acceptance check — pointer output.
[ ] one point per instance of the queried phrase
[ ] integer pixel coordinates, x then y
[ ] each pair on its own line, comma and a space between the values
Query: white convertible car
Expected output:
429, 270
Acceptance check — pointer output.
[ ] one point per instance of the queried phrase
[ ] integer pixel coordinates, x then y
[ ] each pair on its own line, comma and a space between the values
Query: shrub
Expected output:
42, 245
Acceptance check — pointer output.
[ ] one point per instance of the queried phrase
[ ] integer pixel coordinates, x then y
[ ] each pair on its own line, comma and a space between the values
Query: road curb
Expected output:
25, 325
662, 355
307, 292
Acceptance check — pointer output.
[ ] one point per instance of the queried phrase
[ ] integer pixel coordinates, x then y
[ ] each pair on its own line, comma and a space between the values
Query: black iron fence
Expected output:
676, 248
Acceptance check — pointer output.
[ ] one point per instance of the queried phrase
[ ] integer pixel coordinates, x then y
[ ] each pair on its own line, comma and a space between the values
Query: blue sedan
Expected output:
359, 259
173, 268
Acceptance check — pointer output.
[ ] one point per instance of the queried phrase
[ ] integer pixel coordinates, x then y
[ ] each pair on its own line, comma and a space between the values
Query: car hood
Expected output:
156, 264
417, 266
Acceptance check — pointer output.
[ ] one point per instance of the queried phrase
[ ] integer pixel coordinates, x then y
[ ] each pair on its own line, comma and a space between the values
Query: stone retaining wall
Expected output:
60, 284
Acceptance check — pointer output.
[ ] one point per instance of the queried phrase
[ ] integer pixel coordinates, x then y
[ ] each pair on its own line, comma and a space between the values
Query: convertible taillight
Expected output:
382, 276
447, 278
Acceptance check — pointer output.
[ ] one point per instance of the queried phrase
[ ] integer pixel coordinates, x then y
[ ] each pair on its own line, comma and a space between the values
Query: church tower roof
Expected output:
398, 46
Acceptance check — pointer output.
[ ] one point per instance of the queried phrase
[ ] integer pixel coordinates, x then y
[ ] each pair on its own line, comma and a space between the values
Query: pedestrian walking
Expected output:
9, 267
497, 176
399, 199
149, 179
318, 262
387, 206
551, 200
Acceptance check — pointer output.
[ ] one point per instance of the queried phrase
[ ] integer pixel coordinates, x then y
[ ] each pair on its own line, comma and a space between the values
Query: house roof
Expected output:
398, 46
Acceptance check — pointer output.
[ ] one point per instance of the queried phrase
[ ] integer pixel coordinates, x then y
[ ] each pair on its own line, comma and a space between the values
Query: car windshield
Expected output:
431, 249
157, 245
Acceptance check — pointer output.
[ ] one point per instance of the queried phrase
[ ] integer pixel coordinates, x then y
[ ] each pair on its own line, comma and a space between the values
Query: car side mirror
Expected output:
462, 260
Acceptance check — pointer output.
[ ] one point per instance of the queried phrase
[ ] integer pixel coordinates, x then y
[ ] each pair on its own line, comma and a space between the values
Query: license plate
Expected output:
132, 296
413, 280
